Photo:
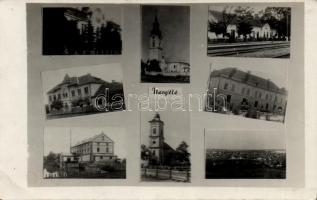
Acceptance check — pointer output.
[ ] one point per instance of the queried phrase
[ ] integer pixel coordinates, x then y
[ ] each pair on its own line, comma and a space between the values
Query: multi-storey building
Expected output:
243, 90
97, 148
84, 88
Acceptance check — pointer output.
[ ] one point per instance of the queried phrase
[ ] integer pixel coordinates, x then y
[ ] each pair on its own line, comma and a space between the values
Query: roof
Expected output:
156, 28
114, 87
93, 138
167, 147
248, 78
77, 81
157, 118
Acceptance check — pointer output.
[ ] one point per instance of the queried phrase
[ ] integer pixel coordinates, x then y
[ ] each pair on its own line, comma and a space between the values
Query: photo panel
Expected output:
165, 44
81, 152
82, 30
81, 91
248, 91
249, 30
237, 154
165, 146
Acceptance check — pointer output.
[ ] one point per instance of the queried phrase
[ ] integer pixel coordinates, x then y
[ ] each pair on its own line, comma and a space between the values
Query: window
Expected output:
79, 91
248, 91
225, 86
73, 93
59, 96
101, 157
260, 95
50, 98
54, 98
154, 131
86, 90
255, 94
66, 95
243, 90
107, 149
98, 149
154, 142
233, 87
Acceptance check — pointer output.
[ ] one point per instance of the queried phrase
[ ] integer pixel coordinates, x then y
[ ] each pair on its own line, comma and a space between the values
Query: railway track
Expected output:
227, 50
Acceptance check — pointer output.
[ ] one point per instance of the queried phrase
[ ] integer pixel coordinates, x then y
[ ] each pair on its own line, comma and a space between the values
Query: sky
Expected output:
275, 72
174, 25
106, 72
255, 140
176, 127
57, 139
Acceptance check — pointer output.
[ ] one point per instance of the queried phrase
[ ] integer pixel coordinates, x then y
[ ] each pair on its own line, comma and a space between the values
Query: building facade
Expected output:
96, 148
167, 68
82, 90
243, 90
258, 29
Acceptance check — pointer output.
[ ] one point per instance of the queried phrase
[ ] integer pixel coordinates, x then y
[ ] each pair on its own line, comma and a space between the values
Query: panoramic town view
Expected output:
245, 155
222, 163
249, 31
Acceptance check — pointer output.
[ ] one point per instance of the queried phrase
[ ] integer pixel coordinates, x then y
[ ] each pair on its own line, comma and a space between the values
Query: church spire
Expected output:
156, 28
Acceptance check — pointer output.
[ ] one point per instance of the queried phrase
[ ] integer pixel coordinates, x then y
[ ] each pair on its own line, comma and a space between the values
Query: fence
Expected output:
166, 174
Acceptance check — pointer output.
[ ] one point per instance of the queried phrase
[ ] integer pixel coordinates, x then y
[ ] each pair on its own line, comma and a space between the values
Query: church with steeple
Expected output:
156, 63
159, 149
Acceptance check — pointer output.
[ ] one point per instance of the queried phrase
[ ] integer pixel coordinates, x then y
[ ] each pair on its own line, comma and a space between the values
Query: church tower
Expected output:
156, 145
155, 42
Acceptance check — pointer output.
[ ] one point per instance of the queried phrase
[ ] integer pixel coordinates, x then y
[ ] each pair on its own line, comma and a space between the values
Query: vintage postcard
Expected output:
249, 31
83, 90
82, 30
247, 92
165, 150
81, 152
245, 155
165, 44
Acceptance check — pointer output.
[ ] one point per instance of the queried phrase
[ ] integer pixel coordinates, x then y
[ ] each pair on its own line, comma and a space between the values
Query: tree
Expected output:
245, 19
51, 162
279, 18
145, 153
57, 104
182, 152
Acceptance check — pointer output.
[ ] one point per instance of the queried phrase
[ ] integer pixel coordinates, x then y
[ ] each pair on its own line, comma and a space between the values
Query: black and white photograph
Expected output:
245, 155
83, 90
165, 150
165, 44
249, 31
82, 30
79, 152
248, 92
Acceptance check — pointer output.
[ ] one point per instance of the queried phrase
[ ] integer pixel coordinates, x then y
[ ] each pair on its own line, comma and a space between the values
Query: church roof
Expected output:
157, 118
248, 78
156, 28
